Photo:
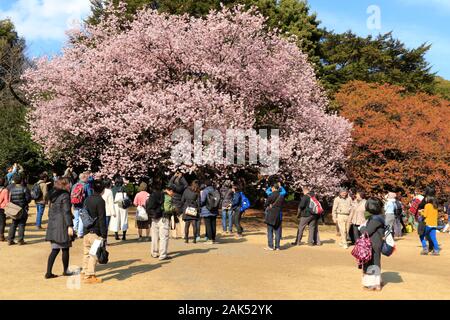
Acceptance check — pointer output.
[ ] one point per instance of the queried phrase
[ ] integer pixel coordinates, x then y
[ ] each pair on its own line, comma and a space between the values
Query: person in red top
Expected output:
4, 199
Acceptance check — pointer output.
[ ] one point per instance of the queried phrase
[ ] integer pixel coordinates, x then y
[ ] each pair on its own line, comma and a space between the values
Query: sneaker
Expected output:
424, 252
209, 242
11, 243
68, 273
197, 238
165, 258
186, 241
21, 243
435, 253
50, 276
92, 280
268, 249
277, 249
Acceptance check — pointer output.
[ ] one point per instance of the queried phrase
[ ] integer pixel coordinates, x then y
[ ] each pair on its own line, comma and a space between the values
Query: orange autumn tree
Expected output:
400, 141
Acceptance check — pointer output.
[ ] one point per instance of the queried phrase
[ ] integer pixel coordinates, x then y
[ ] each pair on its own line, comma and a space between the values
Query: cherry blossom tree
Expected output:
117, 93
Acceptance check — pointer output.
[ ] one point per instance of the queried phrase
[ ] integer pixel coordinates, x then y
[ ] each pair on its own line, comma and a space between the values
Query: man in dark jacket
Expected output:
306, 219
274, 204
160, 224
21, 197
178, 184
95, 206
226, 195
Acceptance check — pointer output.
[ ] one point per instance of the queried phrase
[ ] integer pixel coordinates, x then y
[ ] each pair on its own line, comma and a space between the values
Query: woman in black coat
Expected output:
60, 225
375, 229
191, 199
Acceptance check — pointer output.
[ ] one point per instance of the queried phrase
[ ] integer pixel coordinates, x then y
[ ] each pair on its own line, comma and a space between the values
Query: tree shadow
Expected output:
231, 240
128, 241
123, 274
391, 277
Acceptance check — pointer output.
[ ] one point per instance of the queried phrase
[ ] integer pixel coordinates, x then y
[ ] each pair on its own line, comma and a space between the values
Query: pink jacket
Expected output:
140, 198
4, 198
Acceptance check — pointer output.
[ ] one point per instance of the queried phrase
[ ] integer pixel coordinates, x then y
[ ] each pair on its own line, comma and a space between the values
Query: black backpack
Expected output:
36, 191
213, 200
398, 212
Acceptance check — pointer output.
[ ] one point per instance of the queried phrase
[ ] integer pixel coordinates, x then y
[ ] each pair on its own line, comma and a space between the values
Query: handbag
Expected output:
191, 211
141, 214
126, 202
13, 211
102, 254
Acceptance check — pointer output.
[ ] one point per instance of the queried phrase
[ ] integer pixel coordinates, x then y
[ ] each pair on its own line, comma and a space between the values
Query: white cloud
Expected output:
45, 19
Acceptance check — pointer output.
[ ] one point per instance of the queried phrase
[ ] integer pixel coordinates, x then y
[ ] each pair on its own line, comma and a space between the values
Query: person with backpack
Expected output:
78, 195
160, 222
209, 209
178, 184
236, 207
190, 207
226, 195
94, 230
39, 193
307, 218
375, 230
139, 202
430, 216
20, 196
119, 220
4, 199
342, 205
60, 226
357, 217
273, 216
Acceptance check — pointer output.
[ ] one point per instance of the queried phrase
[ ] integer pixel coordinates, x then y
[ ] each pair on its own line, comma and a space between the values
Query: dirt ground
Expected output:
232, 269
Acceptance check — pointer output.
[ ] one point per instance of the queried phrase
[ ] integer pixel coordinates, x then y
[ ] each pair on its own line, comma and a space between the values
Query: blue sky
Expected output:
43, 22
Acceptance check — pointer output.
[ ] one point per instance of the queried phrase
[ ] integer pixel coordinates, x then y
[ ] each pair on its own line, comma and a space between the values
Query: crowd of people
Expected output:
88, 208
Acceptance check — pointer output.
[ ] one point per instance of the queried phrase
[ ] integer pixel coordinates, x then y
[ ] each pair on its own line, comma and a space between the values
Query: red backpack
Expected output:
414, 205
77, 195
315, 207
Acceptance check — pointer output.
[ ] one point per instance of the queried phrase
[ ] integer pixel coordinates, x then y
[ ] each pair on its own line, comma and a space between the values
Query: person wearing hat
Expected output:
139, 201
342, 205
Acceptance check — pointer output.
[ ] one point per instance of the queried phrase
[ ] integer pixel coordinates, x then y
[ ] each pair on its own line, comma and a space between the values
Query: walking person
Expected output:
273, 219
160, 223
341, 211
226, 195
79, 193
307, 219
96, 208
236, 208
178, 184
4, 199
357, 217
20, 196
109, 200
209, 203
430, 216
389, 209
60, 226
374, 228
139, 202
190, 200
42, 200
119, 220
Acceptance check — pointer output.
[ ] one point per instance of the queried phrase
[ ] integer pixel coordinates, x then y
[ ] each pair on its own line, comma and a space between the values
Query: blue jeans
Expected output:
430, 235
270, 231
227, 213
77, 223
40, 208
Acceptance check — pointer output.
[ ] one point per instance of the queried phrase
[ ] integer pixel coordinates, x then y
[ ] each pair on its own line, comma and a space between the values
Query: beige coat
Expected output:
341, 206
357, 213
